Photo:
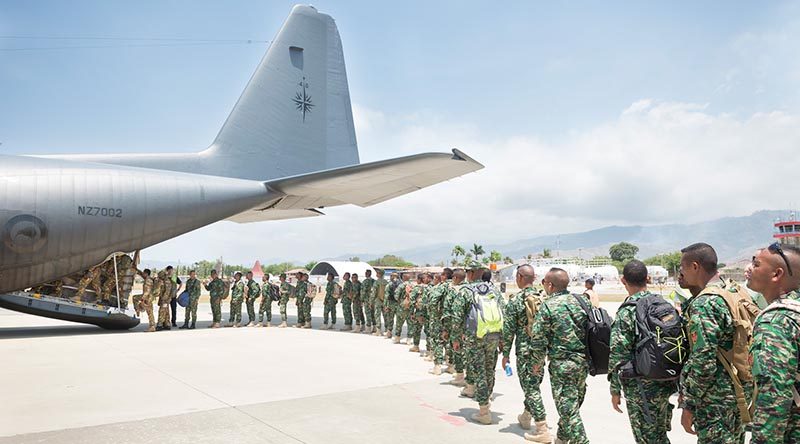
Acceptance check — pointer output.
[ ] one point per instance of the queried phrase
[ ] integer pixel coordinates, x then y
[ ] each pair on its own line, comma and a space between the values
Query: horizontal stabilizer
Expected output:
363, 185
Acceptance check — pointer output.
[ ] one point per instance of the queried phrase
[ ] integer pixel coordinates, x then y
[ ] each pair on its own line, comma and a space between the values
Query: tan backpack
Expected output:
736, 361
533, 301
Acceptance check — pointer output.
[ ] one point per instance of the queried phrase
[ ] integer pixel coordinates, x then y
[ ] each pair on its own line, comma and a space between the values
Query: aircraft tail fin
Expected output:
295, 112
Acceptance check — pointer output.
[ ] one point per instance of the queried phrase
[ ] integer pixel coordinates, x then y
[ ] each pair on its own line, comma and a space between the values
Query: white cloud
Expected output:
658, 162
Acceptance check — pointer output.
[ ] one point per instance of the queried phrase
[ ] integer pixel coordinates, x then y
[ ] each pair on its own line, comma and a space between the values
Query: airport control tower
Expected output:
788, 231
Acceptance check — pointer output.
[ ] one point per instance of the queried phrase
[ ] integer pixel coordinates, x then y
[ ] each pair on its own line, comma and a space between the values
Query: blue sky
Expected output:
546, 82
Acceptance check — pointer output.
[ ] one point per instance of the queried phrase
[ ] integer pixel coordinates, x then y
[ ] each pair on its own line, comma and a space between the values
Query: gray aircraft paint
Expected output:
61, 215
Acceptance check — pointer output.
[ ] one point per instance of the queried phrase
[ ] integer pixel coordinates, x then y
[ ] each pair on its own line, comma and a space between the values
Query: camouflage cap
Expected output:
282, 276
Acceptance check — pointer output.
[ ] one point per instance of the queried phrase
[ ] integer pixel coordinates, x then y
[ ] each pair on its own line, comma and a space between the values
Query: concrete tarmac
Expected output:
70, 383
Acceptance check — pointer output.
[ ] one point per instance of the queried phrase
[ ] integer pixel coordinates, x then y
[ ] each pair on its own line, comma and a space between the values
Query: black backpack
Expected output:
662, 346
274, 292
598, 336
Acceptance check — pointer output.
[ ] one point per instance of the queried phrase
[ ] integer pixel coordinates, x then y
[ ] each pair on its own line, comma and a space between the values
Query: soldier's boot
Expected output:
450, 369
236, 325
344, 328
256, 324
308, 325
283, 325
298, 325
216, 325
542, 434
388, 334
184, 326
560, 441
436, 370
458, 380
377, 332
265, 324
414, 348
396, 340
484, 416
151, 329
525, 420
468, 391
191, 327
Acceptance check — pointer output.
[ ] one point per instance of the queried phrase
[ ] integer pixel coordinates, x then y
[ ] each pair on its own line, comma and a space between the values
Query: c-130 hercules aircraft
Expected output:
287, 149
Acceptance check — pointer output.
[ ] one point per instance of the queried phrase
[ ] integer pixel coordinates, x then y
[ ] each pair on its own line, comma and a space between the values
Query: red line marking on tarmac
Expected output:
444, 416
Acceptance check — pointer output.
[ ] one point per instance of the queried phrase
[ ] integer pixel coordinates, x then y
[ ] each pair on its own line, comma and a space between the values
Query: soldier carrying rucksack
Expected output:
648, 348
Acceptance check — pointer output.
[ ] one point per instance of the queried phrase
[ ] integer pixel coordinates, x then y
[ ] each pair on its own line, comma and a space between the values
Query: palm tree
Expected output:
478, 251
457, 252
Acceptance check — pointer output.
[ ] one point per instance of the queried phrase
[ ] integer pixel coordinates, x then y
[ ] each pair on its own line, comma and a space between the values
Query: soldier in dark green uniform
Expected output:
237, 297
706, 390
558, 333
517, 329
776, 346
216, 290
347, 302
390, 304
303, 301
265, 308
402, 294
455, 327
434, 336
415, 313
193, 287
332, 293
650, 415
358, 305
252, 293
286, 290
377, 299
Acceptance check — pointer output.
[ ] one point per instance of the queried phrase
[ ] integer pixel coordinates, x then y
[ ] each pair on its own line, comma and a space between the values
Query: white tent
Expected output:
606, 271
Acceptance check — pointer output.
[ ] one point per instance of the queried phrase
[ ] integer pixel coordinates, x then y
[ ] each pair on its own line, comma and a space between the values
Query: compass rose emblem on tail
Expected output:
302, 100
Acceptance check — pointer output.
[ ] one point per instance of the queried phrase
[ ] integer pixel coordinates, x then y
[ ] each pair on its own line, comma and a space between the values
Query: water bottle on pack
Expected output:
509, 372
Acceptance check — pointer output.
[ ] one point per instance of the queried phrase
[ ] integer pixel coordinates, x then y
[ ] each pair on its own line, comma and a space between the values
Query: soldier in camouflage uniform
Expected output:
366, 292
516, 327
455, 325
347, 302
415, 318
265, 308
252, 293
558, 334
402, 293
91, 277
433, 337
286, 290
216, 290
707, 394
390, 304
237, 297
776, 346
304, 301
377, 297
649, 423
332, 294
146, 302
161, 292
358, 306
193, 287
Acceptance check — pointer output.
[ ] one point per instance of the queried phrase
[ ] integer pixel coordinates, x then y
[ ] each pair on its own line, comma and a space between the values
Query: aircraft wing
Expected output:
363, 185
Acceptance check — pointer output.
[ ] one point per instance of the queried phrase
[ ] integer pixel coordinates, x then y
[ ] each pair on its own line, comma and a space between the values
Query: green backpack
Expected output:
485, 316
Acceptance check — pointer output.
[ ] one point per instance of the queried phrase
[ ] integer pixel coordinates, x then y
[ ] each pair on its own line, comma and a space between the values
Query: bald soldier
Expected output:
776, 345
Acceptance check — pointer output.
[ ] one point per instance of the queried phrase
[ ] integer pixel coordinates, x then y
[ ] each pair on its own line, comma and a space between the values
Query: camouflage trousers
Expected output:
415, 322
329, 310
301, 313
659, 409
347, 311
471, 358
84, 283
236, 310
282, 306
358, 311
147, 306
718, 422
400, 318
307, 303
377, 312
457, 356
531, 382
191, 310
434, 342
568, 382
369, 313
216, 309
265, 309
484, 364
389, 311
251, 309
163, 315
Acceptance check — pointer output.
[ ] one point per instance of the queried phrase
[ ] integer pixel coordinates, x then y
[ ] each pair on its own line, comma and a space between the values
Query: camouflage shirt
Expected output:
559, 330
286, 290
301, 289
459, 309
775, 352
237, 291
704, 380
347, 289
253, 290
376, 290
436, 301
515, 321
623, 343
330, 292
216, 288
357, 291
193, 287
366, 288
